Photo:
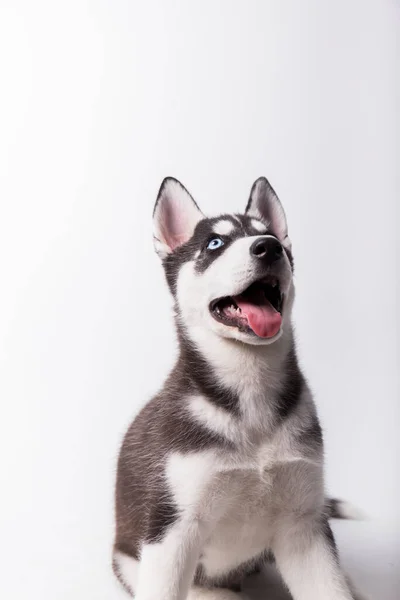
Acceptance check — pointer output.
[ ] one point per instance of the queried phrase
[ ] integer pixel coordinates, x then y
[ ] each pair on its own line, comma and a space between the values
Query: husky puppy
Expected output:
222, 471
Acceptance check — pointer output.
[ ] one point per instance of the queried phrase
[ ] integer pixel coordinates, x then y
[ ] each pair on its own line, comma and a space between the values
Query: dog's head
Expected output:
230, 274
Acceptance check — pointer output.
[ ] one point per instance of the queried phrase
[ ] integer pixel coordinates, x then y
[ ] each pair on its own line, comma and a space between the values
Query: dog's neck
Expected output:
245, 369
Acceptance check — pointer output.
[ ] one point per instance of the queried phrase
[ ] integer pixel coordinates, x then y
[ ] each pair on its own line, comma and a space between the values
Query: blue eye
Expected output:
215, 243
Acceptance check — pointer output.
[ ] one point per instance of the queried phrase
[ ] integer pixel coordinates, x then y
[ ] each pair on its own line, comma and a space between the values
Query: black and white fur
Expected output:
222, 471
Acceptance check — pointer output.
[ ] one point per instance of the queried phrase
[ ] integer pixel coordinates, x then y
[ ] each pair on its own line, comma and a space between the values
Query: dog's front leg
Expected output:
167, 566
307, 558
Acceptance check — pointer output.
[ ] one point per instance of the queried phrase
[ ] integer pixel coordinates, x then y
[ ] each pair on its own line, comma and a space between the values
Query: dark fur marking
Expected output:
203, 233
328, 534
144, 506
334, 510
293, 385
163, 513
312, 435
333, 505
200, 372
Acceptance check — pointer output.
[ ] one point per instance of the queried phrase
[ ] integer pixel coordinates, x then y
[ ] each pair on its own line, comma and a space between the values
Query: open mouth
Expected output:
258, 309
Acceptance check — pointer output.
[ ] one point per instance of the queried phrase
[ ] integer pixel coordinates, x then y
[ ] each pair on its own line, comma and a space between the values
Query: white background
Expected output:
98, 102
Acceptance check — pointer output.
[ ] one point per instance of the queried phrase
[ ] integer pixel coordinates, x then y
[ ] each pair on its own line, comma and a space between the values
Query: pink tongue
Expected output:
264, 320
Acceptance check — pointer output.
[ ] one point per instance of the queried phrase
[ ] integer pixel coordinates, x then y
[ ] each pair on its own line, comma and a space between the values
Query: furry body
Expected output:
223, 470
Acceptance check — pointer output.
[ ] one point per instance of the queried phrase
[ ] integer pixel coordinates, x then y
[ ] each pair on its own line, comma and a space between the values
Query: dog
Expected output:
222, 472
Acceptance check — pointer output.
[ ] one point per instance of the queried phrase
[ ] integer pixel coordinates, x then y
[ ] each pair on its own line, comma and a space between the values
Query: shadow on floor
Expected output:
266, 586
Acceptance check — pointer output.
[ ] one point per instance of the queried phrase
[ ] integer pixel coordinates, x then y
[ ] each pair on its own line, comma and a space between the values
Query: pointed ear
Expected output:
175, 217
264, 204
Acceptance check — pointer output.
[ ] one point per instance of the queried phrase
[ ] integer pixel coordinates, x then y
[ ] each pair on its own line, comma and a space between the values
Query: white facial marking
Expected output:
223, 227
228, 275
259, 225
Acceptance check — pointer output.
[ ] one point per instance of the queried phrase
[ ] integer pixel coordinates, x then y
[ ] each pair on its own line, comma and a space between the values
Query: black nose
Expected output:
268, 249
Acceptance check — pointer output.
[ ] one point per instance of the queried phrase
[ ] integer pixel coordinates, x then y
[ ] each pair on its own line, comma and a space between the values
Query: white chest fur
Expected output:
244, 529
232, 498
